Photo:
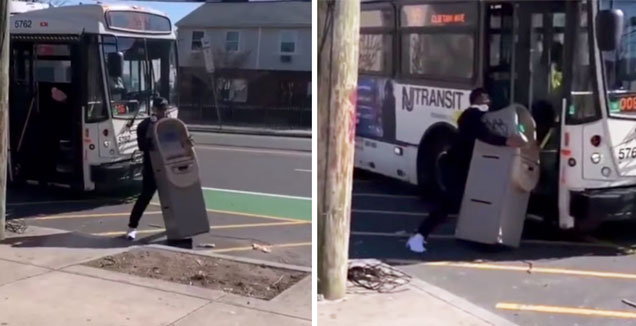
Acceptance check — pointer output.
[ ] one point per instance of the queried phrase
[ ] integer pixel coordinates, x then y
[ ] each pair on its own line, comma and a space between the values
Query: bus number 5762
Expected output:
627, 152
22, 24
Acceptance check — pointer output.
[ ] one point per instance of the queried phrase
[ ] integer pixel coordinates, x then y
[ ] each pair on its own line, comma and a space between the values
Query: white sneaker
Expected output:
416, 243
131, 234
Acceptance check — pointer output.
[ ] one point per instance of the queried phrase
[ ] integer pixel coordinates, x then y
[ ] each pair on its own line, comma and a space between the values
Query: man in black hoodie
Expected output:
149, 186
470, 127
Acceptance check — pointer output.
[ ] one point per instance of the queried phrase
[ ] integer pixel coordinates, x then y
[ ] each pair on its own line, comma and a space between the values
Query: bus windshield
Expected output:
150, 69
620, 64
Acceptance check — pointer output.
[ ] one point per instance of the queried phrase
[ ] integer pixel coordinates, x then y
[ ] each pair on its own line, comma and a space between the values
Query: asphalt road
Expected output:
253, 196
554, 278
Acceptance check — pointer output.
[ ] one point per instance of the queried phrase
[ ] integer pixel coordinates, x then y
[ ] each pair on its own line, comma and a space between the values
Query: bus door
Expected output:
21, 102
527, 40
50, 135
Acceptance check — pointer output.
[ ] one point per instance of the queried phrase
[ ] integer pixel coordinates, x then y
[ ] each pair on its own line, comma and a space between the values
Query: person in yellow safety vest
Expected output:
556, 71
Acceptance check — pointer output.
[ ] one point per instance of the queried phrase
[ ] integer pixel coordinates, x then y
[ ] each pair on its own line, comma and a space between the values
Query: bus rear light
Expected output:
595, 140
596, 158
105, 132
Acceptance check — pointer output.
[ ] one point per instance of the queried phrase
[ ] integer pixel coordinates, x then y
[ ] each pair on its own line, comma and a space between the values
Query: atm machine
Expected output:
176, 170
495, 202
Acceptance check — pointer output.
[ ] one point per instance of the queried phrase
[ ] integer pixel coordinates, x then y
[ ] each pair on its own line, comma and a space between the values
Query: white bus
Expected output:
109, 61
420, 59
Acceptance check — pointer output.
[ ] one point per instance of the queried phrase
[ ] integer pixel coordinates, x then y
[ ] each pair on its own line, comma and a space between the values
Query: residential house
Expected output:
259, 55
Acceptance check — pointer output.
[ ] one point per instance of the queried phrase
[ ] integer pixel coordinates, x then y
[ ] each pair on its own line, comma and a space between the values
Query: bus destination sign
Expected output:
138, 21
624, 103
442, 19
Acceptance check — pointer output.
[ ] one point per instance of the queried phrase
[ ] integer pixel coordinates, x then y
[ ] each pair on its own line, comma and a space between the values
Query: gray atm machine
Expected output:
177, 174
499, 183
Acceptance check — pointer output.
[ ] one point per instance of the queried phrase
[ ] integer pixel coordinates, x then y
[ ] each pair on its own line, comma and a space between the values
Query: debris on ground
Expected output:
262, 248
17, 226
629, 303
251, 280
377, 277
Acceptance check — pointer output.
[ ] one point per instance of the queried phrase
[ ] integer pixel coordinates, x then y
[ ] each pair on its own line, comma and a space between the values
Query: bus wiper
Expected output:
144, 96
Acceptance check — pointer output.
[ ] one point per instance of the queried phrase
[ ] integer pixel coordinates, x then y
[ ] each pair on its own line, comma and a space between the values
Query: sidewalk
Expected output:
42, 282
417, 303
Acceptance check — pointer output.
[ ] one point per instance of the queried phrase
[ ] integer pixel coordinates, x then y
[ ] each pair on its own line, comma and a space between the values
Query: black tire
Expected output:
430, 161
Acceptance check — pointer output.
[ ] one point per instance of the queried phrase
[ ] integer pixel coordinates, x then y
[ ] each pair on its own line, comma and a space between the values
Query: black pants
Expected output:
149, 186
449, 201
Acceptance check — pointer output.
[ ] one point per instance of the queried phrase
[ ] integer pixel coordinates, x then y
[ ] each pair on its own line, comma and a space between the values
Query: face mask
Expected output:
481, 107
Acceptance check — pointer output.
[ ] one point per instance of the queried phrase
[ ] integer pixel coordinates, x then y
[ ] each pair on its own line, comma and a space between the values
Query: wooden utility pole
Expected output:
4, 108
338, 35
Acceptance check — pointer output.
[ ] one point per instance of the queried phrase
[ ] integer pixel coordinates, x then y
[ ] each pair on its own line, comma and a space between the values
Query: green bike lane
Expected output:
245, 202
238, 220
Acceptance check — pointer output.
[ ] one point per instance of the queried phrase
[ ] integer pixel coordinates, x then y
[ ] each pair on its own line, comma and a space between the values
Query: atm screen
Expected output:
172, 145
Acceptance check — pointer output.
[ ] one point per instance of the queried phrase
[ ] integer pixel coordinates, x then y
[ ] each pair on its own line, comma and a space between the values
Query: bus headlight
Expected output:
605, 171
106, 143
596, 158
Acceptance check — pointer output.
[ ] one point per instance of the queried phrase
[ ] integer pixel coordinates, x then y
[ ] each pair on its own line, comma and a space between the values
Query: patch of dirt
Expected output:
257, 281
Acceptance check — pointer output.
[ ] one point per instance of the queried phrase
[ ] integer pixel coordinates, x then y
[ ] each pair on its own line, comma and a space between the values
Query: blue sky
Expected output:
176, 10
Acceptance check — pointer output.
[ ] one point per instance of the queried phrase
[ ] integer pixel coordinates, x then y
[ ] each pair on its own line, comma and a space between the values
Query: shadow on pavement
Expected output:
66, 240
539, 244
32, 201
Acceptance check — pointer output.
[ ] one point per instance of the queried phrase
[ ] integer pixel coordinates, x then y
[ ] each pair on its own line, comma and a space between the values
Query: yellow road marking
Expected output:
60, 217
247, 214
448, 237
566, 310
533, 269
283, 245
215, 227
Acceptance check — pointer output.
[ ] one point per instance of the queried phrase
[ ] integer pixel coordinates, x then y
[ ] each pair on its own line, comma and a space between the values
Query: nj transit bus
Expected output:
107, 62
420, 59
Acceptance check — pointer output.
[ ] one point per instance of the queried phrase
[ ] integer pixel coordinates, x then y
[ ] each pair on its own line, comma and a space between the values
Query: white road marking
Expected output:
257, 193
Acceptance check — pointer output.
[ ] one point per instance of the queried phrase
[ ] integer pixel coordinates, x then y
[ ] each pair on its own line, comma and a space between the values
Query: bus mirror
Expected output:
116, 64
609, 29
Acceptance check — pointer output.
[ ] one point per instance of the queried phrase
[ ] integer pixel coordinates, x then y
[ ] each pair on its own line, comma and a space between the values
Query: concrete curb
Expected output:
448, 297
287, 144
251, 131
231, 258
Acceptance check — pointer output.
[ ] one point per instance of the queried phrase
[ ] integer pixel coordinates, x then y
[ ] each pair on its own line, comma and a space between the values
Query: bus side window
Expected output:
438, 40
376, 41
498, 76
